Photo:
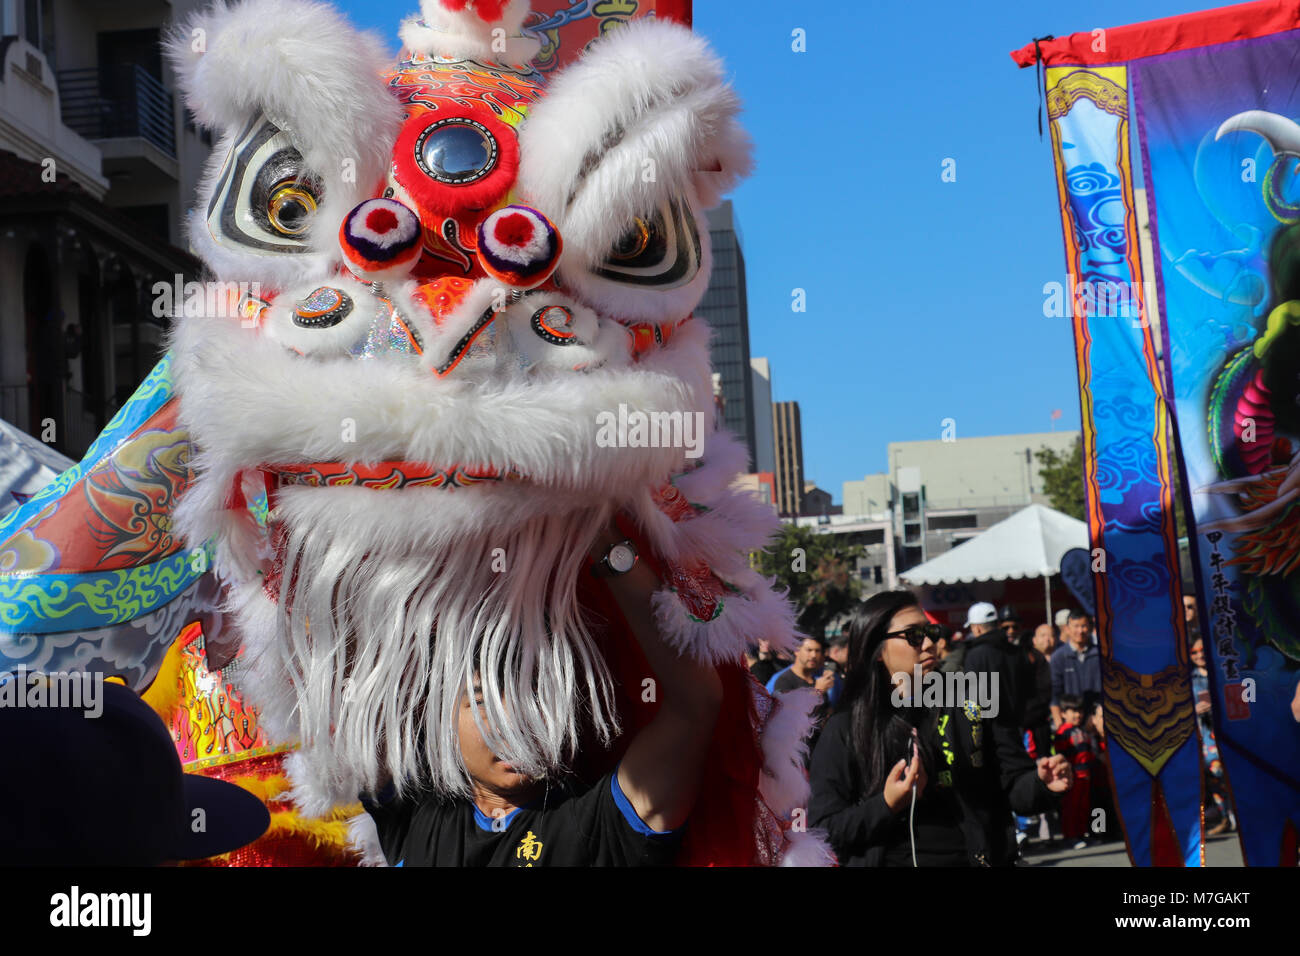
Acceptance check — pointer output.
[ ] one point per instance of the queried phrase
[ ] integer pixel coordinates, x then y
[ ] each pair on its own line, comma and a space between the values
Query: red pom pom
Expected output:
489, 11
381, 220
513, 230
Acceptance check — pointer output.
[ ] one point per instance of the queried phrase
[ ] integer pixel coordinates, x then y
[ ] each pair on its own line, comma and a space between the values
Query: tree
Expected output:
1062, 476
817, 570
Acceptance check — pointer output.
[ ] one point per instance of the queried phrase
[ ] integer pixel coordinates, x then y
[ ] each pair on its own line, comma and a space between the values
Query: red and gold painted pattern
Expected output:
385, 475
212, 724
699, 590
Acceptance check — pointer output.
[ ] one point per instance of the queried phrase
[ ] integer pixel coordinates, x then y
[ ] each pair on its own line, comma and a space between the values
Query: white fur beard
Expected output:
384, 633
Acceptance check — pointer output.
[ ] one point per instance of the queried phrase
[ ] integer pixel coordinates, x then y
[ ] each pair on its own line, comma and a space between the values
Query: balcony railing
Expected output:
110, 103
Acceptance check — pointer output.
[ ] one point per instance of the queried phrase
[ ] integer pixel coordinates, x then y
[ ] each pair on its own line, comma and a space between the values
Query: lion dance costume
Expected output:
372, 464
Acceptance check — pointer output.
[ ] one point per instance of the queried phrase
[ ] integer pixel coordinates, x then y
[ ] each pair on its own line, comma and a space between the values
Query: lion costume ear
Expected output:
624, 153
307, 129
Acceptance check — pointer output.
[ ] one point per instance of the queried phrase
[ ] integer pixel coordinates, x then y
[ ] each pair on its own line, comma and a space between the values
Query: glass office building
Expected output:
725, 308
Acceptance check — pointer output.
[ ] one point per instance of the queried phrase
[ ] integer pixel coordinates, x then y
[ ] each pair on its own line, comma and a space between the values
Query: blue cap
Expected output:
107, 790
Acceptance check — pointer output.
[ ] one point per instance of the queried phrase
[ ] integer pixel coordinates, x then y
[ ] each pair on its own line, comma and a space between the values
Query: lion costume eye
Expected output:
632, 243
661, 251
266, 197
290, 209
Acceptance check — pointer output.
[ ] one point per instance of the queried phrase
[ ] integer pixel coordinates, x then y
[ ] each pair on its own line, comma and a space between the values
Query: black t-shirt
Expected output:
598, 827
789, 681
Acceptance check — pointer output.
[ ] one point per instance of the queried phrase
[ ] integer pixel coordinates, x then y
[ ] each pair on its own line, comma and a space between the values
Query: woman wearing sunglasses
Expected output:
968, 773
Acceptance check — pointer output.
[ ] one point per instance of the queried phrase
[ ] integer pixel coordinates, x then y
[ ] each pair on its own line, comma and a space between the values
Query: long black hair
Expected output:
878, 730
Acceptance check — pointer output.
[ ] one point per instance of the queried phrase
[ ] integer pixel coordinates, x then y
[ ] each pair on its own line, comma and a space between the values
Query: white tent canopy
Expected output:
26, 465
1029, 544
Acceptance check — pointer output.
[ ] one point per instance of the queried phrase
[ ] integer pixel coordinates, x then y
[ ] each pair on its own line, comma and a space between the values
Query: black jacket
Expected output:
1036, 709
991, 653
991, 775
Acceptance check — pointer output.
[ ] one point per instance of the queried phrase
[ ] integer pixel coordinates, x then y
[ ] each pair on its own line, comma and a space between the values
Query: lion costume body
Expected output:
454, 339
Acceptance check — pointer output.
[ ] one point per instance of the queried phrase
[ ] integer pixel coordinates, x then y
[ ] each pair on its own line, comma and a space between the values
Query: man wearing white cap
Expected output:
987, 653
981, 617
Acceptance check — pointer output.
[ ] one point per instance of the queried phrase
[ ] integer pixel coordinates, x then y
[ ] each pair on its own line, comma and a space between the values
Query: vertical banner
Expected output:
566, 27
1220, 145
1215, 107
1148, 712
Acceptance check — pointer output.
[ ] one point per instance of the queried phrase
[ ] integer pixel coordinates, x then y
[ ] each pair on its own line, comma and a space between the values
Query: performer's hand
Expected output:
1055, 772
1295, 704
1202, 706
898, 785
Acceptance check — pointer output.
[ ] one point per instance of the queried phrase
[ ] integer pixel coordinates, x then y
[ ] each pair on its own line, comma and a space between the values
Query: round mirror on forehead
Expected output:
456, 151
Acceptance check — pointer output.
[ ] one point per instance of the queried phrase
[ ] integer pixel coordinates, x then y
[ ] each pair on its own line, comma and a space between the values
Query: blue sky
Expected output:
924, 297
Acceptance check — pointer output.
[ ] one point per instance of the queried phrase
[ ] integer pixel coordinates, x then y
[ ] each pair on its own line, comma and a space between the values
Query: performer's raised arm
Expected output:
661, 769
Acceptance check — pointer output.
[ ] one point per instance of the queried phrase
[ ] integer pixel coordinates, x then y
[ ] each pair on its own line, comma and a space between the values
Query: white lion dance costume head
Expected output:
458, 325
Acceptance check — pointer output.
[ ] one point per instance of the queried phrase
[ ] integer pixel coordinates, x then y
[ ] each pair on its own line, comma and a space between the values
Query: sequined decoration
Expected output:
322, 308
388, 332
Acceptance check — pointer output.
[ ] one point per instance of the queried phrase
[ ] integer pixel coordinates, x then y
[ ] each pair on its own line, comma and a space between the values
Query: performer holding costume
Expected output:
458, 342
630, 817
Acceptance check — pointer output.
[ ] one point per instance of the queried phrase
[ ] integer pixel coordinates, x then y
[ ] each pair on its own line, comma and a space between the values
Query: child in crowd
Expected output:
1075, 744
1101, 793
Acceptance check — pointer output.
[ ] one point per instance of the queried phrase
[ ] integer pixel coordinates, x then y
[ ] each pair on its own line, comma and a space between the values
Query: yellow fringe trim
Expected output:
329, 833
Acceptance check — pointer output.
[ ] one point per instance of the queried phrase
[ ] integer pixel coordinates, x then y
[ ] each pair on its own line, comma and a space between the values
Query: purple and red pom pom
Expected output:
380, 239
519, 246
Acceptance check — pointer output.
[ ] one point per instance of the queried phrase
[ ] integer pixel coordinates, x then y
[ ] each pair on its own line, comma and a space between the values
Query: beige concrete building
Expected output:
939, 493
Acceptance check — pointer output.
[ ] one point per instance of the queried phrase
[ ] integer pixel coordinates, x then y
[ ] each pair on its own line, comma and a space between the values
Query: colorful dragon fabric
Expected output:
449, 337
1192, 383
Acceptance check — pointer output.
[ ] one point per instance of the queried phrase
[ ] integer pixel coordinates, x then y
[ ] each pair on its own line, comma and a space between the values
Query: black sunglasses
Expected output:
917, 633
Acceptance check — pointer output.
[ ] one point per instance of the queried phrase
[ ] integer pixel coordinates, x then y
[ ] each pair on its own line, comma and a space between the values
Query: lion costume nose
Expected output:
380, 239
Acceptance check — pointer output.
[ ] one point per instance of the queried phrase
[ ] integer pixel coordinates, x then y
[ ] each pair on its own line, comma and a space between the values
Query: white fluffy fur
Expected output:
463, 35
784, 786
380, 630
745, 619
809, 848
708, 536
377, 564
363, 837
663, 91
250, 401
278, 324
302, 66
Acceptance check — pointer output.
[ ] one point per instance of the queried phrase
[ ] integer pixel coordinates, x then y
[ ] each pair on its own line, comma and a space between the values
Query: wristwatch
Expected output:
619, 559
